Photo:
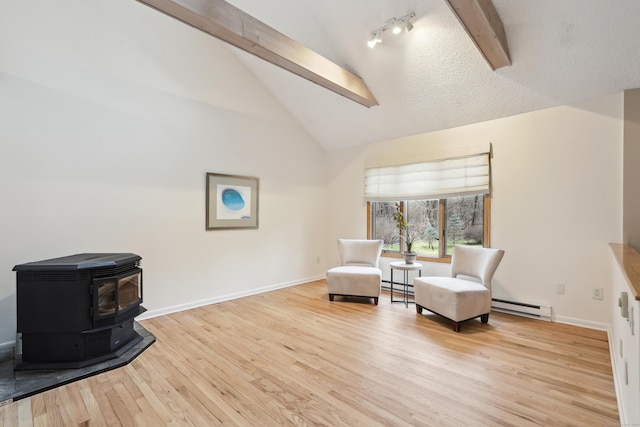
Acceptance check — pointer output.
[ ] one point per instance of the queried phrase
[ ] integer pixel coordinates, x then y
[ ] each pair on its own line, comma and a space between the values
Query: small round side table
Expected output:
405, 268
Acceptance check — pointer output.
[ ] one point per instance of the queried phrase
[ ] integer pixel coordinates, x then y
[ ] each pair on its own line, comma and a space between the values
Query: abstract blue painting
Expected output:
234, 202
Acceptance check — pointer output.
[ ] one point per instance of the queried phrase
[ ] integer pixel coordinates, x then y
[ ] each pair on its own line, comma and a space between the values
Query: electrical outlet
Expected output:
598, 293
317, 260
560, 288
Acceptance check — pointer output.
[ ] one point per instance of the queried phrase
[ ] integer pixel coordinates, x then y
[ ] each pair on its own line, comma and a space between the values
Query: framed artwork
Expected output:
232, 201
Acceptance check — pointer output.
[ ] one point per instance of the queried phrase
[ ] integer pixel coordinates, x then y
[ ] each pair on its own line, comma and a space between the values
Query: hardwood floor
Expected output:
291, 357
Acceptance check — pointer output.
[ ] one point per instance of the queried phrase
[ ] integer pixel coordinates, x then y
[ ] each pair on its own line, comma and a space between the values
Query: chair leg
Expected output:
375, 300
418, 308
330, 297
484, 318
456, 326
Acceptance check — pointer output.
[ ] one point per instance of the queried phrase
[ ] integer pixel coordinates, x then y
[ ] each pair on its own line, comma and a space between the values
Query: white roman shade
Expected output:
428, 180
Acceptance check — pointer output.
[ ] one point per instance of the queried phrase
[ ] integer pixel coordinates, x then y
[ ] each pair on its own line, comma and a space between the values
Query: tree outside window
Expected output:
465, 221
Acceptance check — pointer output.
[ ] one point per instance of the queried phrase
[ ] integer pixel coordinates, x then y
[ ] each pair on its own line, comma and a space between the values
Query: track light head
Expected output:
396, 26
406, 21
408, 26
376, 37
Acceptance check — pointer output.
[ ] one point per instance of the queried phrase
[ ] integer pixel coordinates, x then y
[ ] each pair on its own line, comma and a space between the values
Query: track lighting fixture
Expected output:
395, 25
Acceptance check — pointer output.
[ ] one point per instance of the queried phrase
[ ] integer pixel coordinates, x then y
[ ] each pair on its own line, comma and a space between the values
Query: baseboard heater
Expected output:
397, 287
534, 311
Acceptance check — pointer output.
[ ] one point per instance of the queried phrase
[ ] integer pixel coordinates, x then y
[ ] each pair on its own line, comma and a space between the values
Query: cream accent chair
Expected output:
460, 299
358, 273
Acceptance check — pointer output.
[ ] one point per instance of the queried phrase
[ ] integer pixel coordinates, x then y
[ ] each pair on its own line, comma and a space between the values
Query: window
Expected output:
444, 201
435, 224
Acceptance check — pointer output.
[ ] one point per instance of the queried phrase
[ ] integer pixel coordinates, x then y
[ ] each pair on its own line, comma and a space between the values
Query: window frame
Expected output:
442, 256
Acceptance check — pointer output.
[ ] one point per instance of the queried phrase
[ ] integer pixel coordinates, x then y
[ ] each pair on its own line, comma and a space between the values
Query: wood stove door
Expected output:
115, 295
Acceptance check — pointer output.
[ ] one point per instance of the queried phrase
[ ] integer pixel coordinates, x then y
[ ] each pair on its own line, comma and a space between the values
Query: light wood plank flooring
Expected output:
291, 357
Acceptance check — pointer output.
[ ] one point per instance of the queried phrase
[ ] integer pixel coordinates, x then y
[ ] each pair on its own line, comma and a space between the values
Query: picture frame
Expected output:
232, 201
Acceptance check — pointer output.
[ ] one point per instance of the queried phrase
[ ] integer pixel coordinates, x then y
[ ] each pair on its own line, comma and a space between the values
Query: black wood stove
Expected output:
77, 310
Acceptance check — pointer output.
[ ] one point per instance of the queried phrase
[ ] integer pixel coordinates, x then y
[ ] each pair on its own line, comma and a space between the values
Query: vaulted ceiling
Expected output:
434, 77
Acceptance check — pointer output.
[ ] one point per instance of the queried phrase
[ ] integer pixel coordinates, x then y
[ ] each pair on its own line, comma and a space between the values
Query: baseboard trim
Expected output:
581, 322
221, 298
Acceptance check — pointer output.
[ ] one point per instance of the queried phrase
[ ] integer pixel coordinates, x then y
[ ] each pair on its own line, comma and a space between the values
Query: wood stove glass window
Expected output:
118, 294
107, 298
129, 291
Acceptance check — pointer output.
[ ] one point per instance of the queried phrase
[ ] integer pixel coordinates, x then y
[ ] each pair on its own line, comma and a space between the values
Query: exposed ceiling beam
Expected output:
230, 24
481, 21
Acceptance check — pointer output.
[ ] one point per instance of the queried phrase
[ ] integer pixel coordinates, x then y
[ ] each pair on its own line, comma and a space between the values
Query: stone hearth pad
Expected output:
16, 385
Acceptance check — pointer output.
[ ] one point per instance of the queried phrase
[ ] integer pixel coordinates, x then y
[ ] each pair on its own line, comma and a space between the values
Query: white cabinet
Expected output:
625, 332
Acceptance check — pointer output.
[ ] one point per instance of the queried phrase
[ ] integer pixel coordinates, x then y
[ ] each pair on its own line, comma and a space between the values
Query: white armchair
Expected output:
358, 273
460, 299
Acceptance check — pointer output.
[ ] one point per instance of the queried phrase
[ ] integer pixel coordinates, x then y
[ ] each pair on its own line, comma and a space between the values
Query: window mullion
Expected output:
370, 231
486, 221
442, 247
403, 208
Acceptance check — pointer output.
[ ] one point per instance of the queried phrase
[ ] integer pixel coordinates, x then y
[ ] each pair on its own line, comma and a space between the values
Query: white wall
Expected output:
107, 128
556, 200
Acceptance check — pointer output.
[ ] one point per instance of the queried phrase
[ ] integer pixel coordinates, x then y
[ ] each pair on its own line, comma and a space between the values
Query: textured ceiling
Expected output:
433, 78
